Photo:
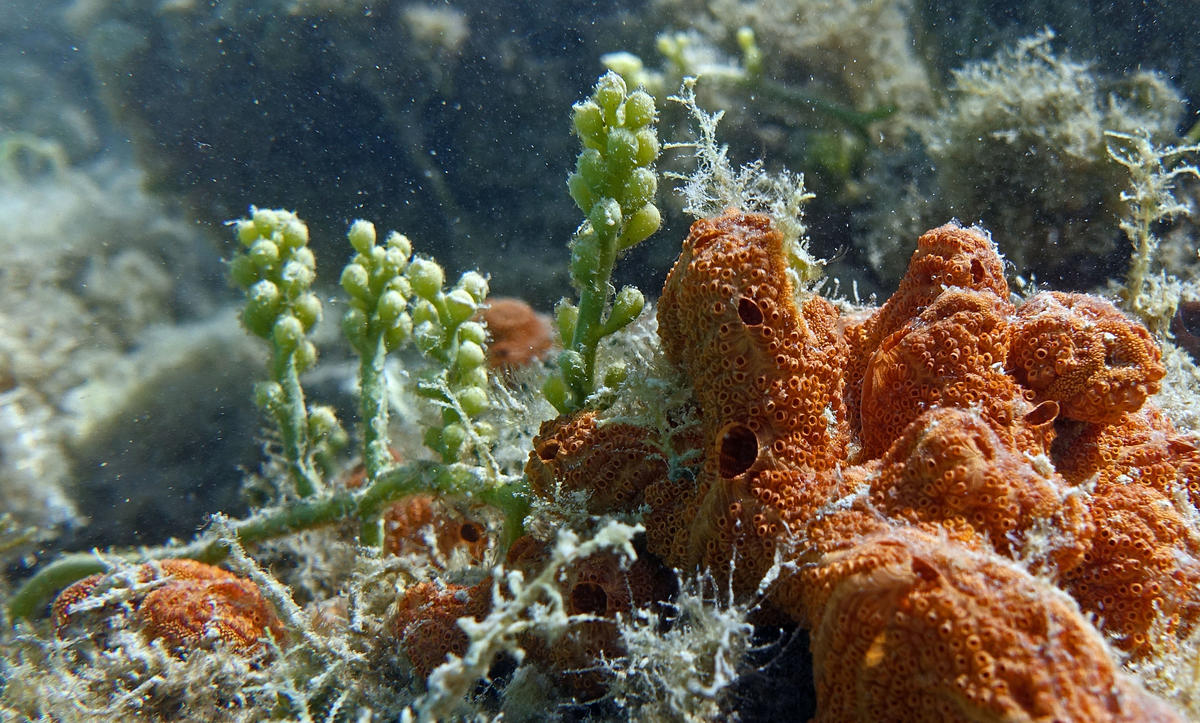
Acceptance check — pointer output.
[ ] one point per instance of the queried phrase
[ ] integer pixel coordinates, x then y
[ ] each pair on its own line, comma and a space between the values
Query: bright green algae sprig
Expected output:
395, 299
614, 184
276, 269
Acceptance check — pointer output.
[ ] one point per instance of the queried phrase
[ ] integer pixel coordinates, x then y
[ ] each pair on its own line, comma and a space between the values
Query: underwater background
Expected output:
132, 132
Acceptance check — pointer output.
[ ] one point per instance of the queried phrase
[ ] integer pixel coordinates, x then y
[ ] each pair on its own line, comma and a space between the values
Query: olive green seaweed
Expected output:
276, 269
1153, 172
614, 184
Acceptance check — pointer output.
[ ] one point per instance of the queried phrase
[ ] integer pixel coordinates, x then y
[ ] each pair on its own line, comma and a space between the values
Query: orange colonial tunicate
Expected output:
727, 317
767, 373
947, 257
904, 521
730, 526
611, 462
1143, 443
908, 626
949, 355
595, 590
1142, 568
893, 480
1083, 353
426, 621
956, 468
425, 524
195, 604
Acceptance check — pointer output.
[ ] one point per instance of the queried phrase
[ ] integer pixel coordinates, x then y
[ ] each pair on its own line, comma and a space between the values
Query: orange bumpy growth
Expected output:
910, 494
195, 603
955, 467
949, 355
1083, 353
909, 627
919, 476
947, 257
426, 621
911, 469
425, 524
520, 335
767, 374
594, 590
727, 318
614, 462
1145, 440
1143, 565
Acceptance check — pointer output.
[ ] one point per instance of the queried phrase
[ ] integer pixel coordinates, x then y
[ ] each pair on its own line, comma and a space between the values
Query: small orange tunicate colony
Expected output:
184, 603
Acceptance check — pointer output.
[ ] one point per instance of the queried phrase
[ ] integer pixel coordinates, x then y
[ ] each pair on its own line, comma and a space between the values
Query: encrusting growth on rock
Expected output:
948, 355
426, 621
1143, 564
424, 523
184, 603
1144, 440
767, 377
910, 627
613, 462
946, 257
952, 469
594, 591
1084, 354
754, 358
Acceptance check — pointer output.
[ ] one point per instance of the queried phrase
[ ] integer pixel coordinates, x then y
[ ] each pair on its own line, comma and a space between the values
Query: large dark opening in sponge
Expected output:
738, 450
749, 312
588, 598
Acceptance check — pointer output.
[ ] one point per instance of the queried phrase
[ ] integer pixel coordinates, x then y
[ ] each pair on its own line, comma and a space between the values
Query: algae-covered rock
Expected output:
1020, 145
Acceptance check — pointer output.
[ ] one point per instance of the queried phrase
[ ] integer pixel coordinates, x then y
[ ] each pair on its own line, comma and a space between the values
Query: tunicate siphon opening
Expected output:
749, 312
588, 598
470, 532
738, 450
977, 272
1043, 413
548, 451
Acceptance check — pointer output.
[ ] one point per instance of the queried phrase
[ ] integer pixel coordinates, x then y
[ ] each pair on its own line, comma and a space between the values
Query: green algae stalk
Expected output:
276, 269
376, 322
294, 516
614, 184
